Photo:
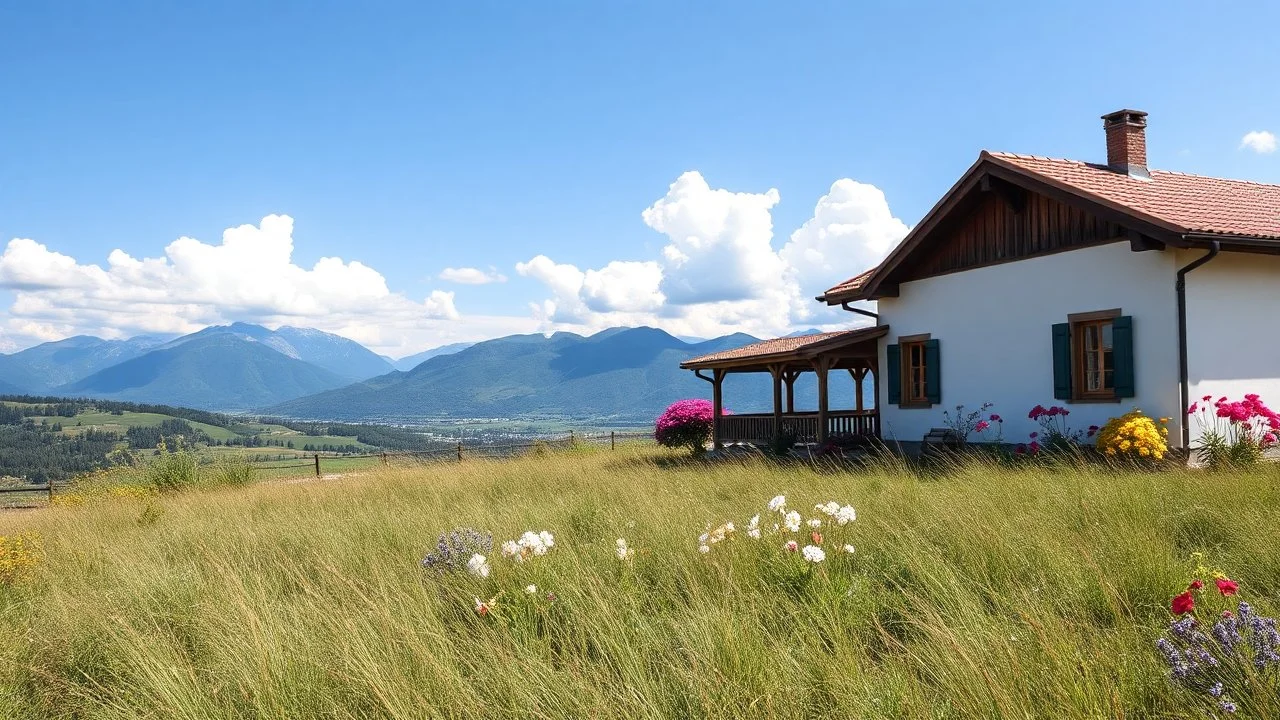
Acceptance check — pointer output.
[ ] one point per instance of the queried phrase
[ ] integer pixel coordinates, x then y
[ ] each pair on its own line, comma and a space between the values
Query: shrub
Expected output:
233, 471
1055, 432
686, 424
782, 442
1233, 434
173, 470
1135, 436
963, 424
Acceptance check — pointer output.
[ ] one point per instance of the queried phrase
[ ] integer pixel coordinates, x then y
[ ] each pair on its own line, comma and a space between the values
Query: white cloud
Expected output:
719, 271
472, 276
1259, 141
250, 276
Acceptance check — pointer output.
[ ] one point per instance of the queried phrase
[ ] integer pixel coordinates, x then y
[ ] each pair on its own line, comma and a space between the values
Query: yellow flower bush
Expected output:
1135, 436
18, 555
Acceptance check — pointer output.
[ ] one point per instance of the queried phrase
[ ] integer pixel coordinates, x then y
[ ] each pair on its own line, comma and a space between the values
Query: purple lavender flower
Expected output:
1227, 706
1216, 690
456, 547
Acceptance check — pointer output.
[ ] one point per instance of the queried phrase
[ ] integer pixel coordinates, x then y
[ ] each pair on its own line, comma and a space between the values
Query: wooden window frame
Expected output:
905, 345
1078, 323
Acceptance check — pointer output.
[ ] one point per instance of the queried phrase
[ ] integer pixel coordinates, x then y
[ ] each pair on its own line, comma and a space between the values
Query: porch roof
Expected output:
788, 349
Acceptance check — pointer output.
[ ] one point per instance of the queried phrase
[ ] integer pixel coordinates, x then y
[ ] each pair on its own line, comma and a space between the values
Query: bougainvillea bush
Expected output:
1233, 433
685, 424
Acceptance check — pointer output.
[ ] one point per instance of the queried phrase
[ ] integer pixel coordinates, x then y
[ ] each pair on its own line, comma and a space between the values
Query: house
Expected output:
1096, 286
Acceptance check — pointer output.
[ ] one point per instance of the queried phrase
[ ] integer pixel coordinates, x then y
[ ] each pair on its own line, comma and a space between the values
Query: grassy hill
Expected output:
978, 592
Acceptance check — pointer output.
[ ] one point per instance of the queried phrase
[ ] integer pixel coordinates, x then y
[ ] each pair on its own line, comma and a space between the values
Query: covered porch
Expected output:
786, 359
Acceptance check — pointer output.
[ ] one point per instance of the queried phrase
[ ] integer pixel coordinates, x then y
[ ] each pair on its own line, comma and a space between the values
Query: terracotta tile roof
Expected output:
1189, 203
790, 345
854, 283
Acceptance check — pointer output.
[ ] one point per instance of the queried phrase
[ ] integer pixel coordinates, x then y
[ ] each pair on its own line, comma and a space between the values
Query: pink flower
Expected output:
1269, 439
790, 546
1226, 586
1053, 411
981, 426
1036, 412
1064, 412
1093, 430
996, 418
1035, 435
1020, 449
1206, 398
1195, 407
1034, 447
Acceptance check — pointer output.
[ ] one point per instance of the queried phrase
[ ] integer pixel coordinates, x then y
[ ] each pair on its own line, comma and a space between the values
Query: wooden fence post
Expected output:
384, 458
612, 445
572, 440
459, 451
317, 464
51, 490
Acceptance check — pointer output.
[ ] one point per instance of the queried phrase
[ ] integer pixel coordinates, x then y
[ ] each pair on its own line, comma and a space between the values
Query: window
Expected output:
914, 372
1093, 357
914, 379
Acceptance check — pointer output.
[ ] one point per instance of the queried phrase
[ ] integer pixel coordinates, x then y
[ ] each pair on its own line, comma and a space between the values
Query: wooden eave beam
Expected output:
1013, 196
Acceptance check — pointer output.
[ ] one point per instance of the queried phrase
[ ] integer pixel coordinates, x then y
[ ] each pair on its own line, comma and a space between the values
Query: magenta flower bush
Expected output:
687, 423
1234, 433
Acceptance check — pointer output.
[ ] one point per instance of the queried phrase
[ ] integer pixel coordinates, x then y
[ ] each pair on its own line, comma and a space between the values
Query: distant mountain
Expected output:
43, 367
210, 371
340, 356
11, 389
629, 374
802, 333
410, 362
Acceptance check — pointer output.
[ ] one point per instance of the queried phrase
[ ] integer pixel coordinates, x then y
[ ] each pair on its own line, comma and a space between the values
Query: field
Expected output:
976, 591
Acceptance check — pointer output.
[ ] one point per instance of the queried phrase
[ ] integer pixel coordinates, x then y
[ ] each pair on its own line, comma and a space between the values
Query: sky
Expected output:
413, 174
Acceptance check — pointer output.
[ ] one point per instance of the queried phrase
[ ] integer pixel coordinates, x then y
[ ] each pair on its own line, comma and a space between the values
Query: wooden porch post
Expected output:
790, 376
821, 365
717, 407
776, 372
858, 374
874, 366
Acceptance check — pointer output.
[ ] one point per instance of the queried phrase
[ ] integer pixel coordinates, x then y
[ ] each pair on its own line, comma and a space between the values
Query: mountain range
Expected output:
620, 374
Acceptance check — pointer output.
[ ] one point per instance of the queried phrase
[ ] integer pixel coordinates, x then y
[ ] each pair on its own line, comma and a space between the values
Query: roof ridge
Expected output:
1102, 166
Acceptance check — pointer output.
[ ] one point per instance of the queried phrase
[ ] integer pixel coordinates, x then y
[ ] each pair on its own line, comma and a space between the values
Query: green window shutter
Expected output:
1122, 356
893, 376
1062, 361
932, 372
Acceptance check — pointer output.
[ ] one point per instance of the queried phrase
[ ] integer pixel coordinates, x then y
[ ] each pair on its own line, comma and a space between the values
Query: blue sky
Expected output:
414, 137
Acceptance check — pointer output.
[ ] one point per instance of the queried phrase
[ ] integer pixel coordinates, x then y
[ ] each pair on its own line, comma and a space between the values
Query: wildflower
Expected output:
846, 515
813, 554
1196, 584
754, 522
704, 549
482, 608
814, 523
1195, 407
1216, 690
548, 541
996, 418
778, 503
1183, 603
455, 548
791, 546
510, 549
551, 597
478, 566
849, 549
1227, 706
531, 589
792, 521
754, 533
1226, 586
622, 550
816, 537
828, 508
981, 426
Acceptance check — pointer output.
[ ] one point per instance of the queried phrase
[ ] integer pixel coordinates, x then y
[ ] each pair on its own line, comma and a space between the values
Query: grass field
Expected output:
1031, 592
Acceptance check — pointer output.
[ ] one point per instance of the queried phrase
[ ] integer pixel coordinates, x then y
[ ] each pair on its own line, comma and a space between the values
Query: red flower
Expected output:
1053, 411
816, 537
1206, 398
1034, 447
1226, 587
1036, 412
1183, 603
1196, 584
1193, 409
981, 426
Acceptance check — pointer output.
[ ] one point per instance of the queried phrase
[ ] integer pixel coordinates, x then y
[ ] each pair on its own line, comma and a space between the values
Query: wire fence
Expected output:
29, 495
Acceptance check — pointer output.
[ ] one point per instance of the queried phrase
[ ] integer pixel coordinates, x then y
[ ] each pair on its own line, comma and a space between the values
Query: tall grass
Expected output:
974, 592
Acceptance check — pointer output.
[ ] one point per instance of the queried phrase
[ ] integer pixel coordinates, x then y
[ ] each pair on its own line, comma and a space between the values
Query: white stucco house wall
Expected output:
1098, 287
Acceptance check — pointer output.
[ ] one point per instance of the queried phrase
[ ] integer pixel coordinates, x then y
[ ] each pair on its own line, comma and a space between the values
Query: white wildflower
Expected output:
815, 523
548, 541
849, 549
478, 566
846, 515
531, 589
754, 533
830, 507
792, 521
728, 527
754, 522
510, 549
704, 549
813, 554
778, 504
702, 539
622, 550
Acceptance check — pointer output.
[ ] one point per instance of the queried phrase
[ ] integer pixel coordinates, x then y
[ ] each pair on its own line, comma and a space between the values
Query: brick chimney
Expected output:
1127, 142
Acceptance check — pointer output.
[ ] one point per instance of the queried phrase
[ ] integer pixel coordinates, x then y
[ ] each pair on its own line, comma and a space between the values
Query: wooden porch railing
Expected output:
758, 428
